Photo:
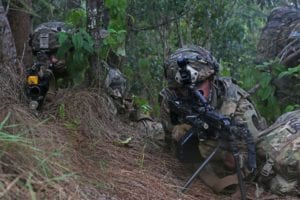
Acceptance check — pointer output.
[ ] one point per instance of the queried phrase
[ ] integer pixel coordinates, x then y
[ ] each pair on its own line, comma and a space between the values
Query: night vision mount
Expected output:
186, 75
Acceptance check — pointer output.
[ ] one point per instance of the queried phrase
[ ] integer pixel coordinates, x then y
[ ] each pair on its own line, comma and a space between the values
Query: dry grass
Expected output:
68, 151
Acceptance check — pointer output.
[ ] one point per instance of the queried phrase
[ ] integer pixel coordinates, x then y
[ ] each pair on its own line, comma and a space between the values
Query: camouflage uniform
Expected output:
279, 150
115, 84
225, 96
44, 43
45, 37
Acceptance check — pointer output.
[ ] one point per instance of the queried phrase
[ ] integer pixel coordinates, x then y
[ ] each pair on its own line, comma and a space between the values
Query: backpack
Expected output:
279, 148
45, 37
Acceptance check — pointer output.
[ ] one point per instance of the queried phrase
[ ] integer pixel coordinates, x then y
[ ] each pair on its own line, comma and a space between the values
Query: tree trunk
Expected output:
96, 23
21, 27
7, 44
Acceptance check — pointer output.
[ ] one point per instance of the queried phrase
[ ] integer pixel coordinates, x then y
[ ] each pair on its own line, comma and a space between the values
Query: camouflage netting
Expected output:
280, 39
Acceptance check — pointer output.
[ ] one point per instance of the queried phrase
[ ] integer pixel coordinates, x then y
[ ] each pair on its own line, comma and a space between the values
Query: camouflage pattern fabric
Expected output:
230, 100
280, 38
276, 34
279, 149
199, 59
150, 128
115, 83
45, 37
44, 43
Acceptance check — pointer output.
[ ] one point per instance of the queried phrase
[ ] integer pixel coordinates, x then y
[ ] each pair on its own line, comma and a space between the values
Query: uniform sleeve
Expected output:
166, 119
246, 114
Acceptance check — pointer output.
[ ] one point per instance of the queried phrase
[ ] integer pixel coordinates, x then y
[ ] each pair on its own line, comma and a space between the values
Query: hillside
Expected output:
70, 150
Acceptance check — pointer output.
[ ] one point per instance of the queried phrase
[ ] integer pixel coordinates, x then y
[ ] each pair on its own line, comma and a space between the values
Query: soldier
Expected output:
221, 93
115, 84
278, 149
47, 67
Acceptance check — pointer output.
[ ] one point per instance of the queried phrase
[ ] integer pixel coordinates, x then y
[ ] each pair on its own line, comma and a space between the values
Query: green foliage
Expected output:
291, 108
115, 41
142, 104
228, 28
146, 32
9, 138
225, 68
76, 17
117, 11
263, 75
61, 111
45, 10
76, 48
294, 71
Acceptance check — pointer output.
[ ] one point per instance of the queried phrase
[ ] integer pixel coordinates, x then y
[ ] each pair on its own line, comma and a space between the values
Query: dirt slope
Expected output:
70, 150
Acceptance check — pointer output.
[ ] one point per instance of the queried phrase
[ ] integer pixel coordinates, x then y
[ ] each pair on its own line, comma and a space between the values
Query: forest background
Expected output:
138, 36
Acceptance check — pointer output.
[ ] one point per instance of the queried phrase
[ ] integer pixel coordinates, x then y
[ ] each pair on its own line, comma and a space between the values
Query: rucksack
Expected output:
279, 148
45, 37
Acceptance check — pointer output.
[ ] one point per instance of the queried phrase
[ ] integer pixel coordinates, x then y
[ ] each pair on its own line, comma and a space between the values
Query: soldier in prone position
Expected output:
47, 67
225, 96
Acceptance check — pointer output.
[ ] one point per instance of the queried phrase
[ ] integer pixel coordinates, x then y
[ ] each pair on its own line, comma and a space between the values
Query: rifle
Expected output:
38, 78
202, 117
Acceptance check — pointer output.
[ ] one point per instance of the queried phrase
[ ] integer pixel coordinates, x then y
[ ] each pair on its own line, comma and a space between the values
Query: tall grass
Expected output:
31, 170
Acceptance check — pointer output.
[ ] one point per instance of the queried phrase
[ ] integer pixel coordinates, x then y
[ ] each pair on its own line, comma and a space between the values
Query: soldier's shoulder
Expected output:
167, 93
231, 86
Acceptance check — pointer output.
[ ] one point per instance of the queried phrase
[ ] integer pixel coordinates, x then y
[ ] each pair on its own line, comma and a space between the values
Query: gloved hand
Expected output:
179, 131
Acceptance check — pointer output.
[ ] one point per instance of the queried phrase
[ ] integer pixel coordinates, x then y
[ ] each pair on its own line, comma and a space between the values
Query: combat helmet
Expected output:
45, 37
115, 83
199, 62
